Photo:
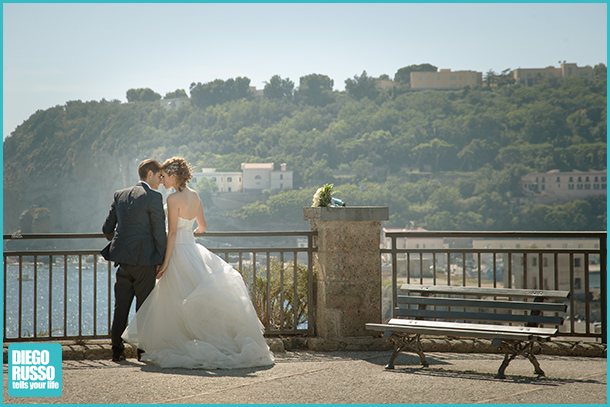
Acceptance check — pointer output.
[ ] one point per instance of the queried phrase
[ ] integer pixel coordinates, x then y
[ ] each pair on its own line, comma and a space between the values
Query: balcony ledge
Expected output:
349, 213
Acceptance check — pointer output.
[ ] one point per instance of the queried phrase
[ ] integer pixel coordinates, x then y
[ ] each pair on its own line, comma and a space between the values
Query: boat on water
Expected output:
24, 277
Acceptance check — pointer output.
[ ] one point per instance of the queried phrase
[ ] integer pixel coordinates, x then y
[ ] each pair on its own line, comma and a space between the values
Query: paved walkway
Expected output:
336, 377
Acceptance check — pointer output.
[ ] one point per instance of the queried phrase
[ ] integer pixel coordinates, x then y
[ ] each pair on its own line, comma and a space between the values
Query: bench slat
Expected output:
507, 292
476, 303
478, 316
478, 327
454, 332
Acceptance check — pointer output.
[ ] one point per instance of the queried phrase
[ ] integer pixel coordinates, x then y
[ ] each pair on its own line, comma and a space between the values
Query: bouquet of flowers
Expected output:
324, 197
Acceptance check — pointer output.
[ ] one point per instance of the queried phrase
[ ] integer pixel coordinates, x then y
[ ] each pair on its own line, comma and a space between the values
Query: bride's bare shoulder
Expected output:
193, 193
176, 198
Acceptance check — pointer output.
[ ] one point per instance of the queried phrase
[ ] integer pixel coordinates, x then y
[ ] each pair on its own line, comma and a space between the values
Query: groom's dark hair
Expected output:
148, 165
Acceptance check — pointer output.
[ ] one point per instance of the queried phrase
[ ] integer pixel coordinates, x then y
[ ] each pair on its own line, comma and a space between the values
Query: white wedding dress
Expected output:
199, 315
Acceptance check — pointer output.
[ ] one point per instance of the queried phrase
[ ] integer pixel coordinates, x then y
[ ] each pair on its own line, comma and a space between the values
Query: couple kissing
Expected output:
193, 309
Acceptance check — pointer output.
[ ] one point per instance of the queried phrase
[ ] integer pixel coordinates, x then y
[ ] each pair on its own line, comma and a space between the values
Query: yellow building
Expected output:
226, 181
445, 79
528, 76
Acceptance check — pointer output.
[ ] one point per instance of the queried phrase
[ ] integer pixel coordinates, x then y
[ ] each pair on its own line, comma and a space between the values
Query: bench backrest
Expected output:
497, 305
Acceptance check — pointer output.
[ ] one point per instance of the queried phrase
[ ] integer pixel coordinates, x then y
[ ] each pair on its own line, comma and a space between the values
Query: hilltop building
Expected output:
445, 79
254, 178
174, 103
528, 76
565, 185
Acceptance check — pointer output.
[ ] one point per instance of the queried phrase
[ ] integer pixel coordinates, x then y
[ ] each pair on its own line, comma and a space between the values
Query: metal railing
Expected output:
451, 258
68, 294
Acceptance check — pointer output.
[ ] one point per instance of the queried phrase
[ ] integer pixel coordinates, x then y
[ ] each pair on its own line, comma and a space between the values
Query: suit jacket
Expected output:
139, 239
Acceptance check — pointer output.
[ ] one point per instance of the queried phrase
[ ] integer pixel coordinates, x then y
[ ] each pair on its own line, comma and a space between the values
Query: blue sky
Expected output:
54, 53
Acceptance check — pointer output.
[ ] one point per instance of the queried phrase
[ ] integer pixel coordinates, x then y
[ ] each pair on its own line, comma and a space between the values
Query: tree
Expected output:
599, 71
219, 91
142, 95
361, 86
148, 95
204, 188
315, 90
242, 87
432, 150
133, 95
506, 78
403, 75
178, 93
318, 173
278, 88
489, 77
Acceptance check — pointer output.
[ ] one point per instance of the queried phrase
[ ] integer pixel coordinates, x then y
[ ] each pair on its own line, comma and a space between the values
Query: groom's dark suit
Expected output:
138, 246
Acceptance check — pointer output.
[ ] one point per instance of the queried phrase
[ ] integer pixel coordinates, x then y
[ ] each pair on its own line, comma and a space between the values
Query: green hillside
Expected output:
446, 160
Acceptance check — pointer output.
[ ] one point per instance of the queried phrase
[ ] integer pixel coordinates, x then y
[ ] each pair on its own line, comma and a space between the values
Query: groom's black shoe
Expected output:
140, 351
118, 356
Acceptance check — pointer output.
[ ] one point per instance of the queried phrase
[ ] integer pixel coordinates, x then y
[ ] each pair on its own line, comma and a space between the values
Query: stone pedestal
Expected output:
349, 269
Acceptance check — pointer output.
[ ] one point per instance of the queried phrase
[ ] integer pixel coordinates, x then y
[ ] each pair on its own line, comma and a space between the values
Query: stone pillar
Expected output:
349, 270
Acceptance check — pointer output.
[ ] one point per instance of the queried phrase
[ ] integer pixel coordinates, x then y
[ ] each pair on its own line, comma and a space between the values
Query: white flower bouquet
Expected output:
324, 197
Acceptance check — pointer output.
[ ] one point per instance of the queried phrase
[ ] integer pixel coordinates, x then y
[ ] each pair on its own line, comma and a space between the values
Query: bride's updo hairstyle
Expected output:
181, 169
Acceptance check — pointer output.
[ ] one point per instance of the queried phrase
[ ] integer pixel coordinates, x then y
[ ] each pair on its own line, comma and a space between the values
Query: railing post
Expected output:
349, 269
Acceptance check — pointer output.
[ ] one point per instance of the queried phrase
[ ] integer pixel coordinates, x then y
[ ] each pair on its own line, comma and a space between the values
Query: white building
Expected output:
260, 176
565, 185
174, 103
254, 177
281, 178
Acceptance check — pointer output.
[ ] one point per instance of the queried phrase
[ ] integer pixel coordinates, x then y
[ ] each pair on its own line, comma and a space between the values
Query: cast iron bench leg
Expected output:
530, 356
516, 349
390, 364
504, 365
418, 349
406, 342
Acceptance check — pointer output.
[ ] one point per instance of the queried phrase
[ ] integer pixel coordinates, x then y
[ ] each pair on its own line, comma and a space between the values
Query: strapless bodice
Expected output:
185, 231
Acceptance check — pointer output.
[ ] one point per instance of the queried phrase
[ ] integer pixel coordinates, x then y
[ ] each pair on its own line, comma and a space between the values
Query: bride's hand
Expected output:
160, 270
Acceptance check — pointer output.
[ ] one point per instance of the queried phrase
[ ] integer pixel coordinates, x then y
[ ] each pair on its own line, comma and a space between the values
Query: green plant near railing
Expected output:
279, 293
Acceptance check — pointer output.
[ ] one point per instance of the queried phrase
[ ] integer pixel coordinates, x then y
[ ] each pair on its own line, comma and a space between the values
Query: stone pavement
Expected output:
306, 376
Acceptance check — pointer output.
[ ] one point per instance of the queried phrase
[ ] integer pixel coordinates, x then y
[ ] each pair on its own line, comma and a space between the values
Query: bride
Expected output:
199, 315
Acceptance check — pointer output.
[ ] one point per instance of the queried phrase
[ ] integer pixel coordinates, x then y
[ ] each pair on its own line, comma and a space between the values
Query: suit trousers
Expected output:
131, 281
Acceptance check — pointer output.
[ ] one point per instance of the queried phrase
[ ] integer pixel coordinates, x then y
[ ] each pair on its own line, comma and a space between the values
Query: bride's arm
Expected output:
201, 223
172, 227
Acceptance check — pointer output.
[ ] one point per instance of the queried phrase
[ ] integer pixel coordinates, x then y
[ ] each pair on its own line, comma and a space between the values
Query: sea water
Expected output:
61, 290
62, 296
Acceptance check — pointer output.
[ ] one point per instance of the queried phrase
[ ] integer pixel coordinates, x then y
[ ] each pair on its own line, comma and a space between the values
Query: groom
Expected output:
137, 246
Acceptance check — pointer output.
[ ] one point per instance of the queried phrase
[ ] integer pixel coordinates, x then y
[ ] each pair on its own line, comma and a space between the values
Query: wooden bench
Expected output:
511, 318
